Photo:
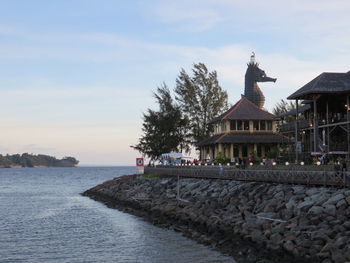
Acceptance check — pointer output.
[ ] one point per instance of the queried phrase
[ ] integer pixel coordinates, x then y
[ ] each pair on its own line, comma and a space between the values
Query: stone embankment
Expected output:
253, 222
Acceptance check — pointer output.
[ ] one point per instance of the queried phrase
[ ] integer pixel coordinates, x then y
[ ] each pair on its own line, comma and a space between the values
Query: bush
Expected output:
273, 153
221, 158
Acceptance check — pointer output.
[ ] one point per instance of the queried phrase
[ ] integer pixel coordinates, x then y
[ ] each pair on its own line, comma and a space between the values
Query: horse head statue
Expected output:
253, 75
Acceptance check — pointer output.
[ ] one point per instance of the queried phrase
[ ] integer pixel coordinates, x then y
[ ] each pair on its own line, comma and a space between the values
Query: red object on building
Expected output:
139, 162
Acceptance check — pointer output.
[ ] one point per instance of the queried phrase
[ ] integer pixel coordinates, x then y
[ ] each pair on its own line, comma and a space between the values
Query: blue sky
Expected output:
75, 76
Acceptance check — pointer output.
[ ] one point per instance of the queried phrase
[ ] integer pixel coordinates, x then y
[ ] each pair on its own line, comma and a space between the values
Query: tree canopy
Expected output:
31, 160
283, 107
201, 99
164, 130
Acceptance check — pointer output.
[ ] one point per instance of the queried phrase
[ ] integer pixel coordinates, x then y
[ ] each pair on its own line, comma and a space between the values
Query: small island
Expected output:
32, 160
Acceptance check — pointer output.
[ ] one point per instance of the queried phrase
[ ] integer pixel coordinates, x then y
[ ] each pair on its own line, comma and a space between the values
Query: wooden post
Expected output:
315, 125
328, 142
347, 124
296, 131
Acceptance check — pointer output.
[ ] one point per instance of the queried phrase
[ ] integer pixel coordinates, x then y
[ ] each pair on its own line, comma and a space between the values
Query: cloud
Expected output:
193, 15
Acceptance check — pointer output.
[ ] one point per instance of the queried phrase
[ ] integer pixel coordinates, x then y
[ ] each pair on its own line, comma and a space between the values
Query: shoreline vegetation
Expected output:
35, 161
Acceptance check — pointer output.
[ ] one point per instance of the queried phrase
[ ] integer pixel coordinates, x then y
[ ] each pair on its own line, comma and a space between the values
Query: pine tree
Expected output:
164, 130
201, 99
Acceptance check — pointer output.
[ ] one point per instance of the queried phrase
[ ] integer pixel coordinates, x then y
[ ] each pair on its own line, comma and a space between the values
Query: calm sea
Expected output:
44, 219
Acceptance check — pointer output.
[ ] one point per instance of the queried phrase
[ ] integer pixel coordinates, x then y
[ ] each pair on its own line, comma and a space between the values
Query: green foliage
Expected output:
256, 157
221, 158
273, 153
164, 130
283, 107
150, 176
31, 160
201, 99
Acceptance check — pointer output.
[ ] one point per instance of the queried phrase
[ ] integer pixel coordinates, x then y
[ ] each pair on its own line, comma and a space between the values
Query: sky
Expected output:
76, 75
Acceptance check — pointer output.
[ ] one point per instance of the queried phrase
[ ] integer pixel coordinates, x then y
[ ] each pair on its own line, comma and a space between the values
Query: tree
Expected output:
201, 99
283, 107
164, 130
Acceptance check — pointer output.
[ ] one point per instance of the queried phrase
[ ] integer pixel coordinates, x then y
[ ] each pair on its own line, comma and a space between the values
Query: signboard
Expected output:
140, 165
139, 162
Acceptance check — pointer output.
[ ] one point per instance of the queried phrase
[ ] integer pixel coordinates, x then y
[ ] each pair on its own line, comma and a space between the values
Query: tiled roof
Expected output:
244, 109
236, 137
324, 83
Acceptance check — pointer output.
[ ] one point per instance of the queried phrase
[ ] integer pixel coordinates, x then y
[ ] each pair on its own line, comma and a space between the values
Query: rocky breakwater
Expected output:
253, 222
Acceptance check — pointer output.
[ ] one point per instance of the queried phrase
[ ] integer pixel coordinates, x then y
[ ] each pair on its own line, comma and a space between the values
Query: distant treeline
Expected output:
31, 160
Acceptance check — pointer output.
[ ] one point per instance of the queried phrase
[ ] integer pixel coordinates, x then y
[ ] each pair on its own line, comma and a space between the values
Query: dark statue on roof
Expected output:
253, 75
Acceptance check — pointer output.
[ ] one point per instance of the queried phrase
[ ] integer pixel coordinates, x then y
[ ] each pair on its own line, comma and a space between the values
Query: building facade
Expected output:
242, 130
321, 126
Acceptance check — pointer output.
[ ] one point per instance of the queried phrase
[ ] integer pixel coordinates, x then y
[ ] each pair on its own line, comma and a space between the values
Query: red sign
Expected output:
139, 162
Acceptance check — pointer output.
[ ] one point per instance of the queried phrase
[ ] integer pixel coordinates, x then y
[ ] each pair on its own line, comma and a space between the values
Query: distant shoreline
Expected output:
36, 166
35, 161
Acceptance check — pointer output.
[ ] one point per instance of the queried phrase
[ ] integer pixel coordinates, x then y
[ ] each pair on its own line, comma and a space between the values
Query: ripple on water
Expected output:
44, 219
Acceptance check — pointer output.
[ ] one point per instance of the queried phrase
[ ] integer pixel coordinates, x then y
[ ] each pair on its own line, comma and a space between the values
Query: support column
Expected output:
296, 131
315, 125
347, 124
220, 148
327, 119
231, 147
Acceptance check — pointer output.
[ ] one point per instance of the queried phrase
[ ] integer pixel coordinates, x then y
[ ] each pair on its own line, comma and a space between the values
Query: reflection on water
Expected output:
44, 219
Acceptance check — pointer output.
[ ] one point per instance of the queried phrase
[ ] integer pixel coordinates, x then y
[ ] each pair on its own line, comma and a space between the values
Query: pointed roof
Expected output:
244, 109
326, 82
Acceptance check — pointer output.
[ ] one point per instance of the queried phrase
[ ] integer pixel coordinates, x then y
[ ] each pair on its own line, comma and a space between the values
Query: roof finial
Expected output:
252, 58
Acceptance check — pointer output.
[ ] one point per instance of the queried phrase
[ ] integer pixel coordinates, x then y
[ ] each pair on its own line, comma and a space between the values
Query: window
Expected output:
256, 125
262, 125
246, 125
269, 125
223, 126
233, 125
239, 125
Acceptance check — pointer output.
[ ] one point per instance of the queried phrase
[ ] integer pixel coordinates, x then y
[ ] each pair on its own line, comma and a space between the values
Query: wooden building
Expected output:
321, 126
243, 129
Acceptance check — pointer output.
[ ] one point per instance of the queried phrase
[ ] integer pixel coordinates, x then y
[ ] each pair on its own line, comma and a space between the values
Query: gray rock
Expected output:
297, 189
330, 209
342, 204
334, 199
348, 199
316, 210
291, 203
304, 206
312, 191
289, 246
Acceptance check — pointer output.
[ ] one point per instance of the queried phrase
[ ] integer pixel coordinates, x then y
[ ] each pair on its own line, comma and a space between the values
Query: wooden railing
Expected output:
322, 178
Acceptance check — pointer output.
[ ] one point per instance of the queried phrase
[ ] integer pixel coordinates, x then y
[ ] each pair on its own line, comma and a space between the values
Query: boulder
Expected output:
316, 210
334, 199
304, 206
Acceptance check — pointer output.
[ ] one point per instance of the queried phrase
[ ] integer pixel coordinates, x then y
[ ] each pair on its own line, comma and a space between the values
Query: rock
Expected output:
304, 206
347, 225
316, 210
342, 204
289, 246
348, 199
338, 256
276, 238
291, 203
333, 200
297, 189
330, 209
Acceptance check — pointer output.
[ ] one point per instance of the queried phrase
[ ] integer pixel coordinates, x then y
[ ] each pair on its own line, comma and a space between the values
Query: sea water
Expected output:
43, 218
